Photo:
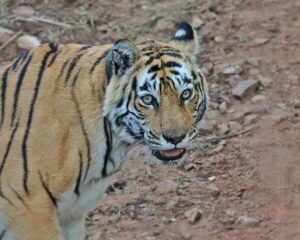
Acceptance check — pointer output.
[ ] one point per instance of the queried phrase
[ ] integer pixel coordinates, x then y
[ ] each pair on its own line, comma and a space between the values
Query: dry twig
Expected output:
10, 40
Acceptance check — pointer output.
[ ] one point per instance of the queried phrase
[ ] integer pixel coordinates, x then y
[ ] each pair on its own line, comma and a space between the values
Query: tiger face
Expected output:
165, 97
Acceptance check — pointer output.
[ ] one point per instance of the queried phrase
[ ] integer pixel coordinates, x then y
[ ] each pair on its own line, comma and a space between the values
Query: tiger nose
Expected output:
173, 139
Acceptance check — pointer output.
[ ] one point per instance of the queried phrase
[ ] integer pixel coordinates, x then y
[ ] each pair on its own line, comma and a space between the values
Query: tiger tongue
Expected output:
171, 153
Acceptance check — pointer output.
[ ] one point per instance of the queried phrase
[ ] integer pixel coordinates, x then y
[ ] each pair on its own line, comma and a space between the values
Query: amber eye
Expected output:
186, 94
148, 99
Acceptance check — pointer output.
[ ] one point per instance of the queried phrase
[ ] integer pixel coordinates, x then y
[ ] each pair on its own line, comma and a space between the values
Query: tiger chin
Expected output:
70, 114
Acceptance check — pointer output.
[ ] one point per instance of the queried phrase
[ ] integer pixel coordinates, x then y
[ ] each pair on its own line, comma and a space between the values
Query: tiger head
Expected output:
157, 93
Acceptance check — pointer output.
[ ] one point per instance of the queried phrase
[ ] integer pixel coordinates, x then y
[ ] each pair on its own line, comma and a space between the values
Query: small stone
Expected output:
223, 106
193, 215
248, 221
212, 178
229, 212
296, 103
197, 23
258, 98
219, 39
253, 71
190, 166
166, 187
277, 116
23, 10
260, 41
229, 70
249, 119
207, 126
245, 89
224, 129
214, 190
234, 126
297, 4
264, 81
252, 61
28, 42
6, 31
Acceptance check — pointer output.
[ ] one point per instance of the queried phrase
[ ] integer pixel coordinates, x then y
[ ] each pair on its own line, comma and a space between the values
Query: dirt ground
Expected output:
247, 187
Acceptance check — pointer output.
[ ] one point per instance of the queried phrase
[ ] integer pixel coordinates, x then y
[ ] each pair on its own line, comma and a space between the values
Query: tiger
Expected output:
71, 113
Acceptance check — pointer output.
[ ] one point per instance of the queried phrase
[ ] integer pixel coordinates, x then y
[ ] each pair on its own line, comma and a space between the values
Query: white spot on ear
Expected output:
180, 33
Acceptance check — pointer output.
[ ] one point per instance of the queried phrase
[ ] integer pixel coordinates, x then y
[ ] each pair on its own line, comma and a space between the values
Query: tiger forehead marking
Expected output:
70, 114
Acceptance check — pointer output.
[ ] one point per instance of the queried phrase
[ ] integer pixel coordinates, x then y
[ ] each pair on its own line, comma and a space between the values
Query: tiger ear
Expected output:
121, 57
186, 39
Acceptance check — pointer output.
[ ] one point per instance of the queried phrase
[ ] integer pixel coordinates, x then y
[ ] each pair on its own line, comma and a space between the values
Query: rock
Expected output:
24, 11
258, 98
249, 119
193, 215
27, 42
248, 221
223, 106
260, 41
212, 178
197, 23
214, 190
253, 71
264, 81
234, 126
166, 187
219, 39
252, 61
261, 108
229, 70
229, 212
207, 126
297, 4
277, 116
6, 31
245, 89
224, 129
296, 103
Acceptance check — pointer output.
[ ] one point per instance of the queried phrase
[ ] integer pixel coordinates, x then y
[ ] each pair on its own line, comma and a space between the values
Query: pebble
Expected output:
193, 215
224, 129
229, 212
219, 39
249, 119
264, 81
229, 70
260, 41
234, 126
23, 10
166, 187
296, 103
5, 31
212, 178
252, 61
214, 190
258, 98
253, 71
27, 42
207, 126
245, 89
277, 116
246, 220
223, 106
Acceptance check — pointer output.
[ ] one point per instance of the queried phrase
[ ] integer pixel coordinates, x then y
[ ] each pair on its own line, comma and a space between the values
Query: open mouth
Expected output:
169, 155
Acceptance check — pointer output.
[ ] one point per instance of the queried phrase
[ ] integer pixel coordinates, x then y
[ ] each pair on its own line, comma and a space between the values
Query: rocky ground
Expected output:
245, 186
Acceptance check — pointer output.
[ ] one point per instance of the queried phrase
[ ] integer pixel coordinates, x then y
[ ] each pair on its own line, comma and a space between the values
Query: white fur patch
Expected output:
180, 33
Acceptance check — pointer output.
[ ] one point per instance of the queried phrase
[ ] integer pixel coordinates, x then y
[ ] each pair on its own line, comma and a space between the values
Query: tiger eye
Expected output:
147, 99
186, 94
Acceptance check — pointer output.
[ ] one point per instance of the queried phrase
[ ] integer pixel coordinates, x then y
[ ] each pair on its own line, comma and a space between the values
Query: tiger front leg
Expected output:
35, 225
74, 229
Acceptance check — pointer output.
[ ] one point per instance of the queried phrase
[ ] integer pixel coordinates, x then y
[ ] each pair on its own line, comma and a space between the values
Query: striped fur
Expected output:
70, 113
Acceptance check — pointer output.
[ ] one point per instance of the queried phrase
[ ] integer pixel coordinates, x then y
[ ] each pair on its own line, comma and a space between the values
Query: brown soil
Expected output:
255, 174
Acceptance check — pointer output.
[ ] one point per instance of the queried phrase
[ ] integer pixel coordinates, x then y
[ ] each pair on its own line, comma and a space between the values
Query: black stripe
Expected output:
19, 197
149, 61
5, 198
8, 147
107, 131
174, 72
47, 190
194, 75
171, 64
172, 54
154, 68
78, 181
53, 58
29, 120
17, 90
98, 61
3, 95
16, 62
85, 47
2, 234
85, 134
53, 46
75, 79
72, 66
